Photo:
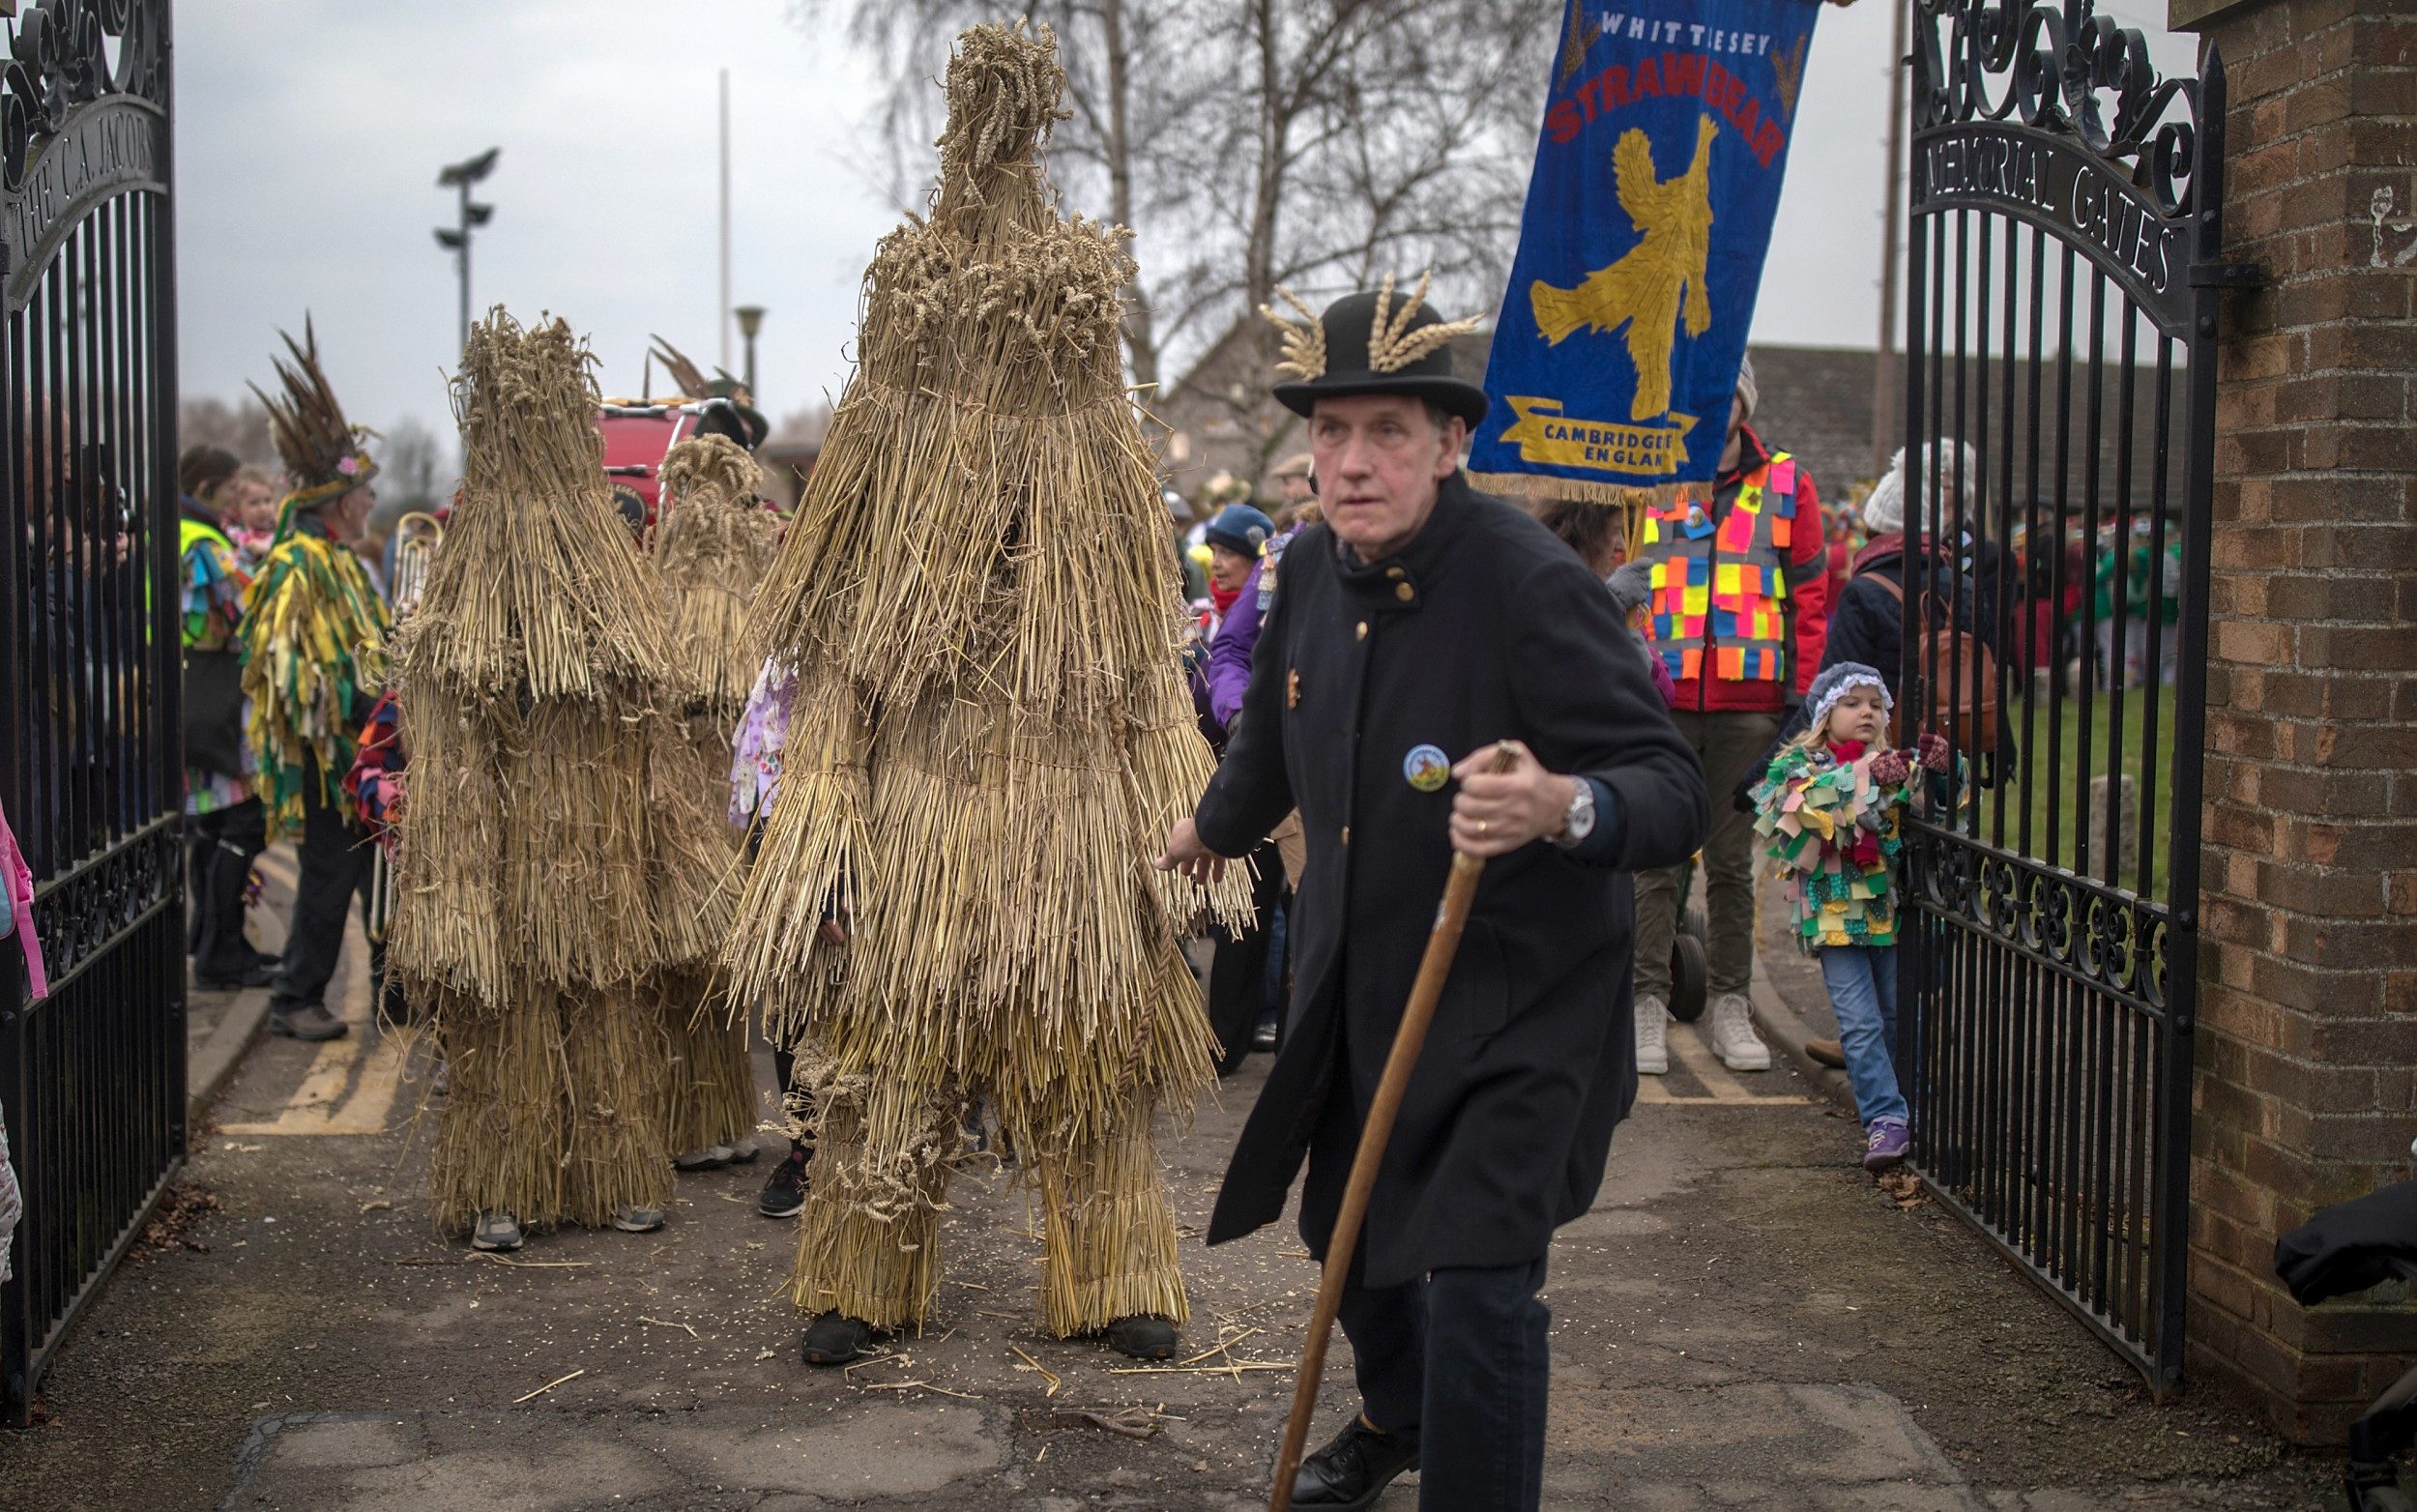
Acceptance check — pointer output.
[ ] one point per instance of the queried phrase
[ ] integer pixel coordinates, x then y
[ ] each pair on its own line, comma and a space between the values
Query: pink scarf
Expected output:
21, 884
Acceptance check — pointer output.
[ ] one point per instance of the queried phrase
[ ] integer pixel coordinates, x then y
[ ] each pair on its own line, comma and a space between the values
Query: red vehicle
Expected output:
640, 434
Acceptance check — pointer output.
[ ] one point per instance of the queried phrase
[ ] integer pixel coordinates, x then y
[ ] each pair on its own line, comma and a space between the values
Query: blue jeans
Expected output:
1862, 981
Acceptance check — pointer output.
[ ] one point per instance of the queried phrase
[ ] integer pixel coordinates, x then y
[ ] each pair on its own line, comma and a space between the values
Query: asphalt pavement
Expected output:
1746, 1319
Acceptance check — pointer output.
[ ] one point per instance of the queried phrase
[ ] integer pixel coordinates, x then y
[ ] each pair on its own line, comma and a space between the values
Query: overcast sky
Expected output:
309, 133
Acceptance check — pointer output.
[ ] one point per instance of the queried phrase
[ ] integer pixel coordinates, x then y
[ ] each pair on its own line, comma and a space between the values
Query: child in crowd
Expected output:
251, 521
1594, 532
754, 782
1830, 808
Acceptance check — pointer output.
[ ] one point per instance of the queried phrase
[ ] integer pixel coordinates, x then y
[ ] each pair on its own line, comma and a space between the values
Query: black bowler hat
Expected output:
1371, 343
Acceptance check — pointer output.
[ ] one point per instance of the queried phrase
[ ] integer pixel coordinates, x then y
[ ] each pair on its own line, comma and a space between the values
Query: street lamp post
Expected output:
457, 240
750, 319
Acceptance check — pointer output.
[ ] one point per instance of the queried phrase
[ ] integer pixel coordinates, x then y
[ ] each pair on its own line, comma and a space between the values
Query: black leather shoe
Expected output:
260, 973
1142, 1337
784, 1195
834, 1338
1353, 1468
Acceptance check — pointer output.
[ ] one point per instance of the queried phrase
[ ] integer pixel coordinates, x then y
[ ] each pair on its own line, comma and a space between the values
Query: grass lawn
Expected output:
2064, 782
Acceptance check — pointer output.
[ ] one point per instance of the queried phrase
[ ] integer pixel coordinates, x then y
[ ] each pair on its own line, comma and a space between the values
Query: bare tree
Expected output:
1102, 157
804, 426
1252, 143
409, 458
242, 428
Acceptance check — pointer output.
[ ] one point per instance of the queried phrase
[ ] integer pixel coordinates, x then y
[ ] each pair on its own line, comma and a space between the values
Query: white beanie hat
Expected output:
1883, 511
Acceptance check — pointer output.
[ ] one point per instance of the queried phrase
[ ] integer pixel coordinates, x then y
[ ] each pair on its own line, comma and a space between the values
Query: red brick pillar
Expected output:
2308, 1015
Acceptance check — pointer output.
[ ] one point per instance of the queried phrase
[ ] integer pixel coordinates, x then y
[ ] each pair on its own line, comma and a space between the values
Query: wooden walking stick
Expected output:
1460, 889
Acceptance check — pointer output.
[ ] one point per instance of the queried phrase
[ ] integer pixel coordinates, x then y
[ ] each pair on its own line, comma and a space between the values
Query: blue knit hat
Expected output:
1836, 682
1239, 528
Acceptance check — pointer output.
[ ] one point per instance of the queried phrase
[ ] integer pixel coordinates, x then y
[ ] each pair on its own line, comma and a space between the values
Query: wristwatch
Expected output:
1578, 822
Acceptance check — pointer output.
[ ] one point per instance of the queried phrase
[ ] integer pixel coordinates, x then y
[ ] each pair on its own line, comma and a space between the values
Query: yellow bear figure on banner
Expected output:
1659, 280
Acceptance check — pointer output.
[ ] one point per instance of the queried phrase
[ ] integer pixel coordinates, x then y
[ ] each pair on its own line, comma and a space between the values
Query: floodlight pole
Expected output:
1885, 406
750, 319
457, 240
461, 258
721, 308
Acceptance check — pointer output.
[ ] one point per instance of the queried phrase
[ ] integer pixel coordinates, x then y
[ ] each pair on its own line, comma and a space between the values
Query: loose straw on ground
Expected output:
548, 1386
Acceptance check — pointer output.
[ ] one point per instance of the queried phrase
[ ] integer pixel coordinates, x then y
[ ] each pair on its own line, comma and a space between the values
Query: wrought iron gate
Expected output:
2060, 320
92, 1078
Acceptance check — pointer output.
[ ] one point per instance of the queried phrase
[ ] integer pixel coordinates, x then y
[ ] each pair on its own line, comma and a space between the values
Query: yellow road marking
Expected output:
320, 1106
330, 1072
280, 867
1719, 1085
348, 1089
1698, 1058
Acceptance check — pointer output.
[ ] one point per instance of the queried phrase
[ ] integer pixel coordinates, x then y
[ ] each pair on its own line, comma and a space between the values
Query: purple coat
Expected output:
1228, 653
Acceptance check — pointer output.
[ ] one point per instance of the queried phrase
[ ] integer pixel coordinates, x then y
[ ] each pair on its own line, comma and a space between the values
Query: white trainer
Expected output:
1652, 1046
1733, 1038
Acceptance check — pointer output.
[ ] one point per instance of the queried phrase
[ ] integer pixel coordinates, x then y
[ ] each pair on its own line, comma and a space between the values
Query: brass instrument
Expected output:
417, 535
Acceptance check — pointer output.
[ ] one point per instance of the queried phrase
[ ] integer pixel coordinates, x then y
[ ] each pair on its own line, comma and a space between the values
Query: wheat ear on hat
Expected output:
1304, 339
1392, 344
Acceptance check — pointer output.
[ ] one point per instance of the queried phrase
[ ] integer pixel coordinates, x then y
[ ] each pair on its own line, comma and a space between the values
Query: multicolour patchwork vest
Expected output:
1724, 587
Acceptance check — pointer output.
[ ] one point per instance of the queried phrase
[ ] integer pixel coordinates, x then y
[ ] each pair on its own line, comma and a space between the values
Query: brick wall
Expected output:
2308, 1018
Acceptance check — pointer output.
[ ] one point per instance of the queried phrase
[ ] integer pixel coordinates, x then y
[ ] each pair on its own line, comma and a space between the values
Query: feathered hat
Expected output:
753, 425
323, 452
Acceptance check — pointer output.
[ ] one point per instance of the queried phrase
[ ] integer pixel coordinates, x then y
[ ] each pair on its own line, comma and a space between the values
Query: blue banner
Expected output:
1641, 251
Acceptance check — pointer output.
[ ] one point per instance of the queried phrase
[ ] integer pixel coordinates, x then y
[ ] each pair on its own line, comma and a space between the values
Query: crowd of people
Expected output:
1753, 675
243, 543
1384, 668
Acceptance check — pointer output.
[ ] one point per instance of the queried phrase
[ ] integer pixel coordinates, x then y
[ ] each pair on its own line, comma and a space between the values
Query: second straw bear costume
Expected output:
712, 546
531, 911
991, 732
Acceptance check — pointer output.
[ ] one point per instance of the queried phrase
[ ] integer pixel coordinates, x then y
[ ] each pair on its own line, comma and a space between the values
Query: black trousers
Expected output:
220, 848
1238, 970
1458, 1360
784, 1071
334, 869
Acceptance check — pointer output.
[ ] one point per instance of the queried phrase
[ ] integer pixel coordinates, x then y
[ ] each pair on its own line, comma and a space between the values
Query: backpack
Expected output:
1961, 668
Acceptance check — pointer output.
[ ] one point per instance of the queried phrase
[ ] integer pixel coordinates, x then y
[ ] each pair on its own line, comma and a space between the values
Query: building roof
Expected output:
1816, 402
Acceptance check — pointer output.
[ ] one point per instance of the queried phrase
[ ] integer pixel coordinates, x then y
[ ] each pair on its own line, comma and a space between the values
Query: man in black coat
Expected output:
1420, 626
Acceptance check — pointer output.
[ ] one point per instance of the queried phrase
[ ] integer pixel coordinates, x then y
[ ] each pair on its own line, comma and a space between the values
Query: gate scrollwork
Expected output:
2051, 68
59, 58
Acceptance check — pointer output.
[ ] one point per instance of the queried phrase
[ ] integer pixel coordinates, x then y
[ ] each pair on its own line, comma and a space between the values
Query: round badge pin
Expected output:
1426, 767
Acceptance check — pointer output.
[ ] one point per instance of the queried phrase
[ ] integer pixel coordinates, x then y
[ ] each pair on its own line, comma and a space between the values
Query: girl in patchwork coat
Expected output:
1830, 809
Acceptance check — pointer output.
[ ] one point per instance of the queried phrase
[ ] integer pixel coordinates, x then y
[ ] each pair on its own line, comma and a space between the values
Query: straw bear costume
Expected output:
539, 895
978, 601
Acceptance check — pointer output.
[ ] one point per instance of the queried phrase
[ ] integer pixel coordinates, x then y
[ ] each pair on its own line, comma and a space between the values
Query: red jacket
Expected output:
1808, 596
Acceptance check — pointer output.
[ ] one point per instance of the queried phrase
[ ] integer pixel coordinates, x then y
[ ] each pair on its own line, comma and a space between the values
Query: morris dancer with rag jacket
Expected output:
313, 638
224, 818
